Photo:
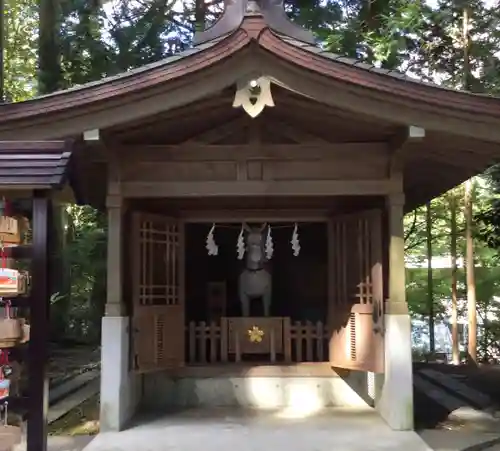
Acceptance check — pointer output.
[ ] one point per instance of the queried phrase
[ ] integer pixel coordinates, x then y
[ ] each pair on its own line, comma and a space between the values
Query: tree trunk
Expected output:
49, 70
430, 286
471, 280
50, 80
455, 346
199, 15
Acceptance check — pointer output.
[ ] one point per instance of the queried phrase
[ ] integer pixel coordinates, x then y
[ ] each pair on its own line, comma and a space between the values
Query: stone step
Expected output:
70, 386
474, 397
62, 407
436, 393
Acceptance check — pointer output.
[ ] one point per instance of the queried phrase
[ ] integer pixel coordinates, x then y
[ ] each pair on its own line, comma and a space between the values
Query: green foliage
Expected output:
21, 25
86, 256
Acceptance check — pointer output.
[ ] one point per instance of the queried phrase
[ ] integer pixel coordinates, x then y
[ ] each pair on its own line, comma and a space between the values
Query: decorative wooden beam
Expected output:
252, 215
204, 152
258, 188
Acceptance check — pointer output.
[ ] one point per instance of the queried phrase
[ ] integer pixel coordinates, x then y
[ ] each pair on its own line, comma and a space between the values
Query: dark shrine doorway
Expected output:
299, 283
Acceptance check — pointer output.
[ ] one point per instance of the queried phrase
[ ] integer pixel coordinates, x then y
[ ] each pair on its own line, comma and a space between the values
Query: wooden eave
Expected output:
33, 165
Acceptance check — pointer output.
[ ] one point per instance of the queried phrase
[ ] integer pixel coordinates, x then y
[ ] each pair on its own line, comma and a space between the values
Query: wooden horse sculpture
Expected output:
255, 280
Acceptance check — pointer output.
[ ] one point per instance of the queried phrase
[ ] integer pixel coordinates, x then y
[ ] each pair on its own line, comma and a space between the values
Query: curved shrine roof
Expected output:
253, 48
254, 40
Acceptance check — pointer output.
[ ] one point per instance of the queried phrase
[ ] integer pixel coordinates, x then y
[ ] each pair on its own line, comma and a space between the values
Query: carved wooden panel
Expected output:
355, 310
158, 292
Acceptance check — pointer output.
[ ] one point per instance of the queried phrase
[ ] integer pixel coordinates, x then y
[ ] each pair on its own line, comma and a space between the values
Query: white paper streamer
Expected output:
240, 245
211, 246
295, 241
269, 244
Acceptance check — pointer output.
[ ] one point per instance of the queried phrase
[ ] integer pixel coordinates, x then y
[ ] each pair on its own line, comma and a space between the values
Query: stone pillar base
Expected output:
118, 385
395, 400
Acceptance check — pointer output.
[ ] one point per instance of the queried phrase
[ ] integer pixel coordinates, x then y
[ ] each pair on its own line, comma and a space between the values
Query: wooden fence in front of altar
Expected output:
299, 341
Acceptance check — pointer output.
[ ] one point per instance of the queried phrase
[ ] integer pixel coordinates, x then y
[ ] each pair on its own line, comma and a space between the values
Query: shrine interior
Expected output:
299, 283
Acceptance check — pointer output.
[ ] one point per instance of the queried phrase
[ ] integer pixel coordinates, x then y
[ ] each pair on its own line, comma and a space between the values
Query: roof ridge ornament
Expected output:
273, 12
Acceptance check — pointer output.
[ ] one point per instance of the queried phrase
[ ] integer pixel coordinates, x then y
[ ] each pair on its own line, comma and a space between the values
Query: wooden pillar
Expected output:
395, 400
115, 305
397, 304
39, 331
118, 383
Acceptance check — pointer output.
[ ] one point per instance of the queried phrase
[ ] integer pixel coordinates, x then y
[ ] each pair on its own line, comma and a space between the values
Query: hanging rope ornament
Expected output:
269, 244
211, 246
240, 245
295, 241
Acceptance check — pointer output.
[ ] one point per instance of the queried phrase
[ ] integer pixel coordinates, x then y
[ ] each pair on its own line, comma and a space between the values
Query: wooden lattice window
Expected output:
159, 272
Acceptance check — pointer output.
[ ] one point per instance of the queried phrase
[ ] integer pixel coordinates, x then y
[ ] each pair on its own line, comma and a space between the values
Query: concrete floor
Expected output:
219, 429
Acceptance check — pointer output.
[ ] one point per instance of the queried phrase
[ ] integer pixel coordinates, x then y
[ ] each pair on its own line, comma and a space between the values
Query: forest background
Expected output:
452, 243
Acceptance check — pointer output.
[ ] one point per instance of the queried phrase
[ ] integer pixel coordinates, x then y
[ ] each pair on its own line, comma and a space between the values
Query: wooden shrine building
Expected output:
257, 127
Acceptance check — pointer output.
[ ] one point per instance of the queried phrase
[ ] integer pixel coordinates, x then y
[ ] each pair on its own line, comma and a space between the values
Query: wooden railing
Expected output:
302, 342
309, 342
204, 342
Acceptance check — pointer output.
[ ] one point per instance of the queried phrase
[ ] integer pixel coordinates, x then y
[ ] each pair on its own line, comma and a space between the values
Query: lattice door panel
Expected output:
158, 292
356, 293
159, 271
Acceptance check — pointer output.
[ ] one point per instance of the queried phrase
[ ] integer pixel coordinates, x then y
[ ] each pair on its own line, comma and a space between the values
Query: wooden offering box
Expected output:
255, 335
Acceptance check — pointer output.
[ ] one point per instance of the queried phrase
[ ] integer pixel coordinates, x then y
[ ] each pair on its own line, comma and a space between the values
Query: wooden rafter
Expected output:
214, 135
299, 135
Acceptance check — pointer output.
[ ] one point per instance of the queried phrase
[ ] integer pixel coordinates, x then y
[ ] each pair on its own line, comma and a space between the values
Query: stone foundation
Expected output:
257, 387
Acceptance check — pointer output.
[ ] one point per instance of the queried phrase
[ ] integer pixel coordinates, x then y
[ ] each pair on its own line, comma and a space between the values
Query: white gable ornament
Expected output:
253, 96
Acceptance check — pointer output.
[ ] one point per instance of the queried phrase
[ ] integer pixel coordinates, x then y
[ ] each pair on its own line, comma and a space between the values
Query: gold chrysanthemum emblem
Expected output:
255, 334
